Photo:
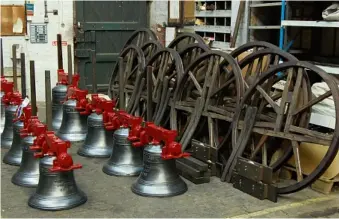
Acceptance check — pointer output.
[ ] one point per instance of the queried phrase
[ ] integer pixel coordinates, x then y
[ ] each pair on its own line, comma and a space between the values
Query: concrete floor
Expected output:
110, 196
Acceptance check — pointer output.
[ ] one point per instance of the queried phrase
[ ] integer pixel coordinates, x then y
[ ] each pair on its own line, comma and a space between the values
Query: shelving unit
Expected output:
216, 21
264, 21
309, 37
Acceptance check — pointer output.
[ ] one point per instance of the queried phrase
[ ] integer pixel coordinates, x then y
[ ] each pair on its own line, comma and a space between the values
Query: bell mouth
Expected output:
74, 138
121, 170
165, 189
25, 179
13, 158
99, 152
6, 142
49, 203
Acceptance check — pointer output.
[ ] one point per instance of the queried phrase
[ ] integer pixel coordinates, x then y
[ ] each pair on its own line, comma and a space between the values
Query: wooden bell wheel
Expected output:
165, 68
191, 51
251, 47
140, 37
286, 118
184, 39
133, 65
197, 85
188, 54
257, 63
150, 48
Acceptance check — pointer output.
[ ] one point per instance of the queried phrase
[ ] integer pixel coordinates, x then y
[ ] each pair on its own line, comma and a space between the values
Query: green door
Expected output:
101, 29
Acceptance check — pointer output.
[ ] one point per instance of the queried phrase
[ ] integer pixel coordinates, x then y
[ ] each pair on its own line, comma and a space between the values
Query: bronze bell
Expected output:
2, 113
159, 177
14, 155
73, 126
7, 133
56, 190
125, 160
98, 142
58, 94
28, 173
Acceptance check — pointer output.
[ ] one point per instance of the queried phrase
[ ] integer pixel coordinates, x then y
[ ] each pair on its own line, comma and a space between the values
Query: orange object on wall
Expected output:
13, 20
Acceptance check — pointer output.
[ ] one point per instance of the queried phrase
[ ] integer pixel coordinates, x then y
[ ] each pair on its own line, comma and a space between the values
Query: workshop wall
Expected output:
44, 54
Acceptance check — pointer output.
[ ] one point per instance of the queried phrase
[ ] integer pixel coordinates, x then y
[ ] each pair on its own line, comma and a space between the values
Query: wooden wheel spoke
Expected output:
313, 102
274, 105
294, 99
132, 72
295, 146
195, 82
259, 146
284, 100
310, 133
186, 106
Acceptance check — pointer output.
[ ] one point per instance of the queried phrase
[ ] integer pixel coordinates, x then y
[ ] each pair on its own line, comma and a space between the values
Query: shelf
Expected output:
269, 27
215, 13
271, 4
329, 69
296, 23
212, 28
220, 44
322, 120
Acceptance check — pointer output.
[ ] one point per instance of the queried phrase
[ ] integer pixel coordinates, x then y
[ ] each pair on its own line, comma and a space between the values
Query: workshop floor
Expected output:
110, 196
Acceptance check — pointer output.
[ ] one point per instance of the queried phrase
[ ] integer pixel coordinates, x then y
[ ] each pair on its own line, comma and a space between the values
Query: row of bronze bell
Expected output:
157, 177
54, 191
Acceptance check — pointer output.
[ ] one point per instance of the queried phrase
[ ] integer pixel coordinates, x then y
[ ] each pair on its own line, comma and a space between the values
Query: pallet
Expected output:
322, 185
326, 186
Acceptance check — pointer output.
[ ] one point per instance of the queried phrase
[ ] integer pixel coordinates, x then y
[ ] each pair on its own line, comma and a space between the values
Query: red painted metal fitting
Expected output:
104, 107
62, 77
39, 144
84, 107
25, 116
74, 92
58, 147
113, 122
118, 119
152, 134
28, 126
136, 130
6, 86
12, 99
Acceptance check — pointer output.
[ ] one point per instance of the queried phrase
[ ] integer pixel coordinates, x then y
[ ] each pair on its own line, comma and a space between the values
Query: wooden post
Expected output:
15, 79
2, 58
48, 99
33, 90
23, 75
69, 62
59, 47
121, 84
94, 80
149, 93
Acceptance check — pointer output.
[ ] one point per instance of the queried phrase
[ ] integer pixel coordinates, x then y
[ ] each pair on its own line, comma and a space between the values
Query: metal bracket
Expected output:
256, 189
201, 150
254, 171
207, 154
